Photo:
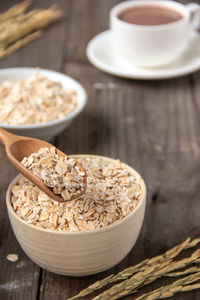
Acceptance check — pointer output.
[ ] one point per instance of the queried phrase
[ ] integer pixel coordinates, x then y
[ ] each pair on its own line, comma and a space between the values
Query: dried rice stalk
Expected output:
36, 22
187, 271
167, 256
15, 11
4, 52
16, 20
144, 277
172, 274
181, 285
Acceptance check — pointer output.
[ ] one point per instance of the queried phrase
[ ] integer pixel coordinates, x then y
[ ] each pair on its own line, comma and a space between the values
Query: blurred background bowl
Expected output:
45, 131
79, 253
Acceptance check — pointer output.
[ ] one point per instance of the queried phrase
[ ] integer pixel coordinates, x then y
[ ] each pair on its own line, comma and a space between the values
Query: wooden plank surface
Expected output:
153, 126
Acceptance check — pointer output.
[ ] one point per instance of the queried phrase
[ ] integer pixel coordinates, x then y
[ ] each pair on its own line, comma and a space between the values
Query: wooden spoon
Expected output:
17, 147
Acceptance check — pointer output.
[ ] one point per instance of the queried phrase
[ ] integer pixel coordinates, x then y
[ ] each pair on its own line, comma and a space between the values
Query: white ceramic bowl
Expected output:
79, 253
45, 131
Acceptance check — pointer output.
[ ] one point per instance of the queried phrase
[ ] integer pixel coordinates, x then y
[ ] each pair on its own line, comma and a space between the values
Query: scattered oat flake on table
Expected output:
98, 86
12, 257
112, 85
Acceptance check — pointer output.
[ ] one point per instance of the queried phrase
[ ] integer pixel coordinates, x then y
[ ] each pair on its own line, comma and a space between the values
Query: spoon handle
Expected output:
8, 138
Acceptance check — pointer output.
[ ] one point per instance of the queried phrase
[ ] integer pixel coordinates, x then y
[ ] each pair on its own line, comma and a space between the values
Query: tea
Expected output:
150, 15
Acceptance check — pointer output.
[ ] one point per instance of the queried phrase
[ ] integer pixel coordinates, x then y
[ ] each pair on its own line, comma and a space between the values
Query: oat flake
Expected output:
61, 174
12, 257
35, 100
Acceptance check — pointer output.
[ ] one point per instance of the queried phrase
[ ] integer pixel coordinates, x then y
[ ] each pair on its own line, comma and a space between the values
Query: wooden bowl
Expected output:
79, 253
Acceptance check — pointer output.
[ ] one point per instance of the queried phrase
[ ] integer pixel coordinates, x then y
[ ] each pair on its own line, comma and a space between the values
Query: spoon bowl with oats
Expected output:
56, 174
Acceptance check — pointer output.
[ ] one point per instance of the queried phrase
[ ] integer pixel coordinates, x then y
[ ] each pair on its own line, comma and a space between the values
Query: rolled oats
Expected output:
12, 257
112, 193
61, 173
35, 100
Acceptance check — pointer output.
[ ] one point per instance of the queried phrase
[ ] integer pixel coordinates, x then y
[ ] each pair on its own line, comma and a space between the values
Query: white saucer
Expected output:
100, 54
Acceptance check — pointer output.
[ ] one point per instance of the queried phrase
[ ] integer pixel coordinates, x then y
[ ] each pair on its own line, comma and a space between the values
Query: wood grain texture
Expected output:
19, 278
153, 126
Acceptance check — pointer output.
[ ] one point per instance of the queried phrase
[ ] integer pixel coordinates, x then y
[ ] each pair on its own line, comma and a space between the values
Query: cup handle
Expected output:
194, 9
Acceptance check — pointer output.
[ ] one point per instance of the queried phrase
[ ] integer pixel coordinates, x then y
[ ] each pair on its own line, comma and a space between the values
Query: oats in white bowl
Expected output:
112, 193
34, 100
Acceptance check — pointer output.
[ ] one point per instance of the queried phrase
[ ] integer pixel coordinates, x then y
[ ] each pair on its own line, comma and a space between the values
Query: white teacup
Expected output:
153, 45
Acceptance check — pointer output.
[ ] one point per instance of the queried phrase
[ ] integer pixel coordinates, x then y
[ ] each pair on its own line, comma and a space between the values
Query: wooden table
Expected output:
152, 125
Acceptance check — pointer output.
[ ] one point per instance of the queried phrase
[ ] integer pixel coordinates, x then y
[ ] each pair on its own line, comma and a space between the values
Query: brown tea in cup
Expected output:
150, 15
